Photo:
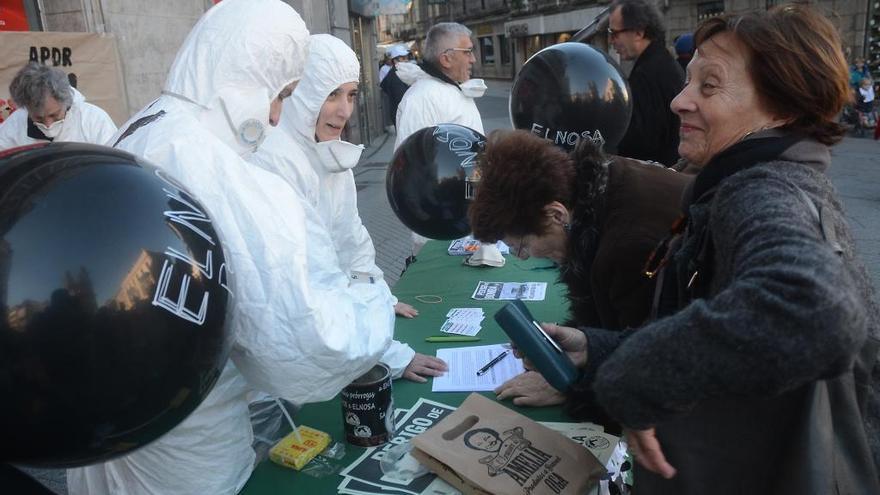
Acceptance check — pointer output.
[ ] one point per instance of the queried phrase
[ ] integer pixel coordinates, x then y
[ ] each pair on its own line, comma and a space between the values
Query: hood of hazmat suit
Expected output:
321, 171
83, 123
431, 101
228, 78
297, 336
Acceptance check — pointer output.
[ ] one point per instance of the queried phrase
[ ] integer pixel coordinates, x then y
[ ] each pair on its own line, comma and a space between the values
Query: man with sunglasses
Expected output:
441, 89
636, 31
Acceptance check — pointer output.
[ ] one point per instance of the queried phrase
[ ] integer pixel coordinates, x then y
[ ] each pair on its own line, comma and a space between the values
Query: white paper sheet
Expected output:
463, 365
508, 291
460, 328
463, 321
472, 315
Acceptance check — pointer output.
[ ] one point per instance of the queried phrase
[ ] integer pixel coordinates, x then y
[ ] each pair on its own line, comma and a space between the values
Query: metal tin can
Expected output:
368, 408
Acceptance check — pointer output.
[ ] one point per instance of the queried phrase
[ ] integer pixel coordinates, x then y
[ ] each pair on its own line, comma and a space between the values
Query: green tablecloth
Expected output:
435, 273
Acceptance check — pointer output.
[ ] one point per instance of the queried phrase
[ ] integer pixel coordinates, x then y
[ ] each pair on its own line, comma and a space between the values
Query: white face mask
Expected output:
337, 155
51, 131
473, 88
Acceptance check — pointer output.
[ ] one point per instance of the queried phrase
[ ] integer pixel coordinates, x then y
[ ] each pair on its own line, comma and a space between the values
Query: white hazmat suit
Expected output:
83, 123
323, 175
296, 335
430, 101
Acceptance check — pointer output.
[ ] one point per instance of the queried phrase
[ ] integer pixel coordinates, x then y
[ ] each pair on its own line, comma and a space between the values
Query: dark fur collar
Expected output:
583, 237
433, 70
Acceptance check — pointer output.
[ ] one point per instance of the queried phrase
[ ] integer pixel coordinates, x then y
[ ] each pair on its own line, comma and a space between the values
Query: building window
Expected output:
564, 37
533, 45
504, 48
487, 50
706, 10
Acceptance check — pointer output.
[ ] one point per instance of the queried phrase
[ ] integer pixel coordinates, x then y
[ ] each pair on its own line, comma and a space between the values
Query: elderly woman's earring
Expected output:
566, 227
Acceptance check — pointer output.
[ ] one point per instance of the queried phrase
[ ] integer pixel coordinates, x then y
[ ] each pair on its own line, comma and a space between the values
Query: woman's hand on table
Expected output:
529, 389
422, 366
405, 310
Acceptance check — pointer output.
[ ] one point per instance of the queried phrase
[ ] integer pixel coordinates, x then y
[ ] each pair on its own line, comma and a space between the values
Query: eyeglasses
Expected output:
614, 32
467, 51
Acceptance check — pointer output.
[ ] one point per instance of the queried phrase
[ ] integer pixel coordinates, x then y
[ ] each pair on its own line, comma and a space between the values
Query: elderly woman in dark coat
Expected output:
597, 216
762, 376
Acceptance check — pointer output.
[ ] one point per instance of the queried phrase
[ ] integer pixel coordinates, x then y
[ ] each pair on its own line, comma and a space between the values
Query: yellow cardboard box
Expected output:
291, 453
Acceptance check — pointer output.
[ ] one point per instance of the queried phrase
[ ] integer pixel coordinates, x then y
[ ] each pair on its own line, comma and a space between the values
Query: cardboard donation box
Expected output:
485, 448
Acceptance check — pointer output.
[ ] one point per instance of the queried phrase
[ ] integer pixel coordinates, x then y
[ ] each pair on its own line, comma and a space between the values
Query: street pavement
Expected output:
855, 172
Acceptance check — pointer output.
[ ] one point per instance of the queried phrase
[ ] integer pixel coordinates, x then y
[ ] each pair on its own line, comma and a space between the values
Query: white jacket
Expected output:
84, 123
325, 179
430, 101
300, 332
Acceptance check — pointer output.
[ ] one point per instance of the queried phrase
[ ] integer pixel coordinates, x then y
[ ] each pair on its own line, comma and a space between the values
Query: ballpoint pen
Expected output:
451, 338
497, 359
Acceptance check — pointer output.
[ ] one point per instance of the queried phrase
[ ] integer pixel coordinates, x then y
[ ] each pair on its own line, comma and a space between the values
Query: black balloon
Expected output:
113, 288
431, 179
571, 91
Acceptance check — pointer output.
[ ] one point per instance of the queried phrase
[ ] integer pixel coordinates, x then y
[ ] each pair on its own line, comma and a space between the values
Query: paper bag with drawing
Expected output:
483, 447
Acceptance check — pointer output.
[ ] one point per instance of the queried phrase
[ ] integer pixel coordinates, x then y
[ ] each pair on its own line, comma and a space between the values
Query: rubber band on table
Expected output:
429, 299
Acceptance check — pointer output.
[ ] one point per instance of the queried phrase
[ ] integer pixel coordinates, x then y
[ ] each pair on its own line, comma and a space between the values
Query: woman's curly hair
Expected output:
520, 173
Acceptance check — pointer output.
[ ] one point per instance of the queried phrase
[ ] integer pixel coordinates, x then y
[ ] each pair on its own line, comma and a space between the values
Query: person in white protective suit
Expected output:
318, 164
441, 92
50, 110
302, 330
441, 89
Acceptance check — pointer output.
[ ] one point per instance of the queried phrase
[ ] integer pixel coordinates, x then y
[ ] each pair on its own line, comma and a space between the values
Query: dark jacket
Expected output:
729, 381
395, 88
623, 210
656, 79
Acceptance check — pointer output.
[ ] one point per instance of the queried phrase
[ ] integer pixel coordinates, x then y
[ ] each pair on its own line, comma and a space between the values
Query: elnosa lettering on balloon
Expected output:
461, 141
568, 138
186, 218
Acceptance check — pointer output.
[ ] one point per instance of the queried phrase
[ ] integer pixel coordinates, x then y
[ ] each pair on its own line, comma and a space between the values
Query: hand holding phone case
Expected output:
551, 361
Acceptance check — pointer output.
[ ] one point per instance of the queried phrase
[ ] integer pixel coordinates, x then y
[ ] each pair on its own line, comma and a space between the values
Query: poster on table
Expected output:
365, 474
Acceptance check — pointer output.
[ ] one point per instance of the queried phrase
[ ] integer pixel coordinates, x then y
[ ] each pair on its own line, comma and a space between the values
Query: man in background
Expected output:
684, 50
636, 31
441, 89
391, 83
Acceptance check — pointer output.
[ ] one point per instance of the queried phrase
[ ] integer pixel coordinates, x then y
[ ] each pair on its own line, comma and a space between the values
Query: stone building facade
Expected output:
507, 32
